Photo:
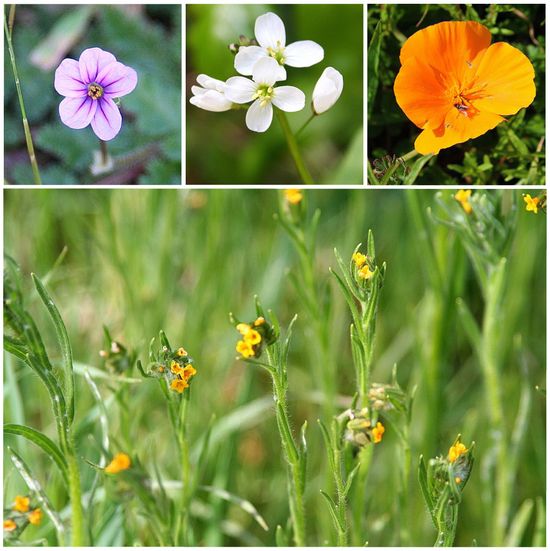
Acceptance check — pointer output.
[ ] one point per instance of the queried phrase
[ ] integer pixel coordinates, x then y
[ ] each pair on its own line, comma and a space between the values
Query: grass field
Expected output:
454, 300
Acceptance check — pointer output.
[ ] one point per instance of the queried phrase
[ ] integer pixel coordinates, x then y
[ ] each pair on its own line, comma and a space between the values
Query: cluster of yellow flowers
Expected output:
120, 462
463, 197
21, 509
359, 429
182, 370
363, 268
251, 342
455, 451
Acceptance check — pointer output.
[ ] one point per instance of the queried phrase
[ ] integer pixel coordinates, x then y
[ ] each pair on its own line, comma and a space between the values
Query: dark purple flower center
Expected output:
95, 90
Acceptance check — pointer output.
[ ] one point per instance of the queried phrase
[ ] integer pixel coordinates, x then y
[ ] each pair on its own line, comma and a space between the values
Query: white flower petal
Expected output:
327, 90
258, 118
247, 57
270, 31
211, 83
240, 89
197, 90
289, 98
211, 100
268, 71
304, 53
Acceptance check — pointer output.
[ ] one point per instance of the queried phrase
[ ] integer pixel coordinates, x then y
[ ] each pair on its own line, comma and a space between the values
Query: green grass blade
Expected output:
423, 480
539, 536
519, 524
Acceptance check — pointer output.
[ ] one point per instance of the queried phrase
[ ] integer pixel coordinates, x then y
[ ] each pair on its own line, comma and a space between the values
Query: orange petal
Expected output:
421, 93
504, 79
457, 129
448, 46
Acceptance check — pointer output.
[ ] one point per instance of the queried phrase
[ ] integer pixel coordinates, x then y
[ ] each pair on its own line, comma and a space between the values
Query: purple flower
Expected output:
89, 86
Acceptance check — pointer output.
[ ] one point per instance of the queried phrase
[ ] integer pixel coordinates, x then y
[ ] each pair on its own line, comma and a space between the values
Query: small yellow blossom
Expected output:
35, 517
365, 272
243, 328
245, 349
120, 462
463, 197
253, 337
294, 196
9, 525
179, 385
458, 480
259, 321
21, 504
359, 259
456, 451
181, 352
377, 432
188, 372
176, 368
531, 203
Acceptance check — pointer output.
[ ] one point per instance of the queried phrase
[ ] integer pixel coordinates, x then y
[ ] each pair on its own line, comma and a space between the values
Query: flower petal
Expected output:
457, 128
240, 89
504, 79
270, 31
211, 83
448, 47
258, 118
67, 81
289, 98
107, 120
91, 62
303, 53
211, 100
268, 71
327, 90
247, 57
117, 79
77, 112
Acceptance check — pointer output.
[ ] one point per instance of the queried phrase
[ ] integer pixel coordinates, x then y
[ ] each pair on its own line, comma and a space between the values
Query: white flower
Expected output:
262, 91
327, 90
271, 37
211, 96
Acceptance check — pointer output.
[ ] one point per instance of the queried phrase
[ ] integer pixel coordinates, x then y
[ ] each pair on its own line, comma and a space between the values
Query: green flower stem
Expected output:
11, 19
26, 128
293, 148
186, 492
303, 127
75, 494
389, 173
104, 152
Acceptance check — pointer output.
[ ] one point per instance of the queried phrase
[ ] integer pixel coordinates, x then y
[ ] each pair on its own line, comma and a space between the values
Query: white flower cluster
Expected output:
265, 63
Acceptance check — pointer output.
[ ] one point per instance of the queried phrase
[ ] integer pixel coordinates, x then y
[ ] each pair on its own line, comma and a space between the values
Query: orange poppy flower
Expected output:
456, 85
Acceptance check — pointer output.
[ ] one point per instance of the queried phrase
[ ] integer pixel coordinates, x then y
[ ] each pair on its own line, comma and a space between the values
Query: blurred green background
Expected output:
221, 150
141, 261
513, 153
147, 38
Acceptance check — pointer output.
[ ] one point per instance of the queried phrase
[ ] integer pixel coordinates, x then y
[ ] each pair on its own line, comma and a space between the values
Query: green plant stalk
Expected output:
303, 127
389, 173
26, 128
75, 494
293, 148
342, 502
403, 496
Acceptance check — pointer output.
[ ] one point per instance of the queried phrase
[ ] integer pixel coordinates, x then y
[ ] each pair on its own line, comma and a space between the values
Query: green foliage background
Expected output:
140, 261
513, 153
221, 150
147, 38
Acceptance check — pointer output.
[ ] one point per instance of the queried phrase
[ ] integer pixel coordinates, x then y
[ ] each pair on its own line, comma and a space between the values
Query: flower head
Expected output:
463, 197
378, 432
327, 90
245, 349
179, 385
9, 525
271, 36
210, 95
456, 450
120, 462
359, 259
262, 91
254, 335
89, 86
21, 504
294, 196
531, 203
35, 517
365, 272
456, 85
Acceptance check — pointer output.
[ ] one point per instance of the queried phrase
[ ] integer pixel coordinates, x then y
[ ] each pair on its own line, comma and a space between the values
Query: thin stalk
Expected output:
11, 19
302, 128
104, 152
185, 496
293, 148
26, 128
408, 156
75, 494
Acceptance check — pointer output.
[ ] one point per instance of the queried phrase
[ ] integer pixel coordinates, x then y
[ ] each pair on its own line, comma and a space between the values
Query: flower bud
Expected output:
210, 95
327, 90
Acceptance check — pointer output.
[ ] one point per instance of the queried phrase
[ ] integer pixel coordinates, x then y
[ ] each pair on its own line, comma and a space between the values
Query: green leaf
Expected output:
42, 441
539, 535
423, 480
470, 326
373, 64
281, 537
64, 343
519, 524
417, 166
333, 512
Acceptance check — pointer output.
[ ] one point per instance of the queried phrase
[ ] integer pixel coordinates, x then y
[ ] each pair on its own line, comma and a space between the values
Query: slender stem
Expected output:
302, 128
75, 494
104, 152
293, 148
185, 465
389, 173
11, 19
26, 128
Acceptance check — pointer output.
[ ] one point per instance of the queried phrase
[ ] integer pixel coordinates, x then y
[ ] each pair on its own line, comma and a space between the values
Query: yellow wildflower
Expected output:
294, 196
245, 349
259, 321
365, 272
456, 451
181, 352
243, 328
359, 259
179, 385
458, 480
188, 372
531, 203
176, 368
463, 197
35, 517
253, 337
120, 462
9, 525
377, 432
21, 504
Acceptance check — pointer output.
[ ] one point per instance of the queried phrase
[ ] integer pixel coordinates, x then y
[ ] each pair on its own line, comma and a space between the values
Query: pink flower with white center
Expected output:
89, 86
271, 36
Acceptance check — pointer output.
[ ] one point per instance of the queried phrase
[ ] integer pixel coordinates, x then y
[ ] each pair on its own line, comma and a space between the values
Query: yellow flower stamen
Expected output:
377, 432
9, 525
179, 385
21, 504
120, 462
359, 259
245, 349
253, 337
35, 517
365, 272
531, 203
463, 197
294, 196
456, 451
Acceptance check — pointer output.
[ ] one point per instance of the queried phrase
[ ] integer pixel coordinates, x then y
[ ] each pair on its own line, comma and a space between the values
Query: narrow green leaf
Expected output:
351, 476
423, 480
519, 524
333, 512
539, 536
414, 172
281, 537
286, 434
373, 61
470, 326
